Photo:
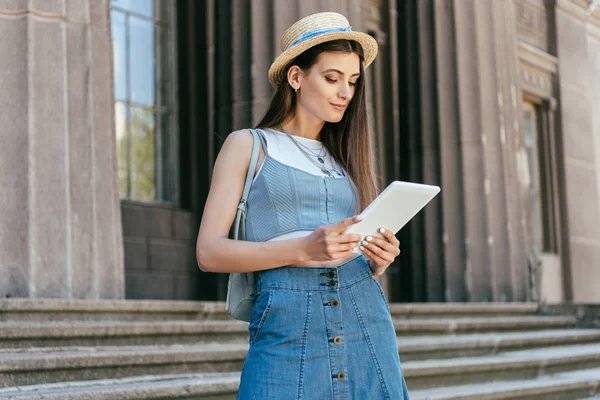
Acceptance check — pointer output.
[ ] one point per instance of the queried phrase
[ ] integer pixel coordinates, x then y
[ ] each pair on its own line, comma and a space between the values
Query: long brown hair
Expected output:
348, 141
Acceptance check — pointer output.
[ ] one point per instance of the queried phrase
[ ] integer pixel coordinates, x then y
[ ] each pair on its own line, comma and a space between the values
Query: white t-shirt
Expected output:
281, 148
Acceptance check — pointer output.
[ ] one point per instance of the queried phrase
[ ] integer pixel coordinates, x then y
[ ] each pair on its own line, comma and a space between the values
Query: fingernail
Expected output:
382, 230
365, 243
359, 217
369, 238
362, 248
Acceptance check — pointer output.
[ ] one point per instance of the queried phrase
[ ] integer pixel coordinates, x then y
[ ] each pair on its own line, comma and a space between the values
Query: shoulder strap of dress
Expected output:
263, 141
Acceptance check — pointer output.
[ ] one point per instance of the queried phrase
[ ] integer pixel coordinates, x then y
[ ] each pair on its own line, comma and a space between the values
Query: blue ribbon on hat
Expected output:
318, 32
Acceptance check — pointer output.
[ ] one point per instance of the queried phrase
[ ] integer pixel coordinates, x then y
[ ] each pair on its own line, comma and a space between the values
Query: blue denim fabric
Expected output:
301, 340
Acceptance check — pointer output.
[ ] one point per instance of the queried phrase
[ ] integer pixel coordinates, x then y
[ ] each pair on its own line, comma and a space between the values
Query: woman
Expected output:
320, 327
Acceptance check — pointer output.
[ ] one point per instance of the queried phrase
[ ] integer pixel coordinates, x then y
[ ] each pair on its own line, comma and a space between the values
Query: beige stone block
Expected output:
80, 163
585, 262
49, 6
78, 10
109, 253
582, 202
48, 152
572, 52
14, 169
13, 5
550, 278
577, 122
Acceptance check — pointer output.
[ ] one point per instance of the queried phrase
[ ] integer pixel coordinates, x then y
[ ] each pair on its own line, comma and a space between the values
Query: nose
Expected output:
345, 92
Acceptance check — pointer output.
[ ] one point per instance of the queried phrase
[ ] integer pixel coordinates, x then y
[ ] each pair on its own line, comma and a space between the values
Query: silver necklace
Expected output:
319, 156
321, 166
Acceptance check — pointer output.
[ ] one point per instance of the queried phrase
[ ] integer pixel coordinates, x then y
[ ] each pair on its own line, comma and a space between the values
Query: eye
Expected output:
330, 80
352, 83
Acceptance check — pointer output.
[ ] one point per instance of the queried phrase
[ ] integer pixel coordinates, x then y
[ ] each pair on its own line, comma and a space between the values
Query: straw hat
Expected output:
313, 30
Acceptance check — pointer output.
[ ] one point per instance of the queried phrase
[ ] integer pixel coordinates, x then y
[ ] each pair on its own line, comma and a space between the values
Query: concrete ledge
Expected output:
46, 365
459, 325
13, 335
35, 366
150, 310
588, 315
526, 364
461, 309
469, 345
192, 386
87, 310
572, 385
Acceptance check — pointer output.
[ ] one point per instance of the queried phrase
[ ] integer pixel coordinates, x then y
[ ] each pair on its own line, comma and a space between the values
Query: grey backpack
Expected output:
241, 288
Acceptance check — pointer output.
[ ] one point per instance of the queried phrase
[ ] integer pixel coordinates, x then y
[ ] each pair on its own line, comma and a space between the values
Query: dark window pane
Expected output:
167, 157
163, 69
143, 150
121, 132
143, 7
119, 54
141, 61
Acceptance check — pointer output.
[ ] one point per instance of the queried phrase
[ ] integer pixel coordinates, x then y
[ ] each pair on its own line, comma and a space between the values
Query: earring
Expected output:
296, 89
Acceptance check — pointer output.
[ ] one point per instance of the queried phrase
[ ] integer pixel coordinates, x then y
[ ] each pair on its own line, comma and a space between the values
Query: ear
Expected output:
294, 76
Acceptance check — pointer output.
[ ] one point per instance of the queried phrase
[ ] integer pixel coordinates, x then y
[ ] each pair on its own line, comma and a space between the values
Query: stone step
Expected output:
221, 386
43, 310
46, 365
469, 345
514, 365
454, 310
98, 333
562, 386
481, 324
210, 386
153, 310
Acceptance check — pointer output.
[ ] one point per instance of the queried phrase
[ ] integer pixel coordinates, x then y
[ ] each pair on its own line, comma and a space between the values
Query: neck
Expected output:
301, 124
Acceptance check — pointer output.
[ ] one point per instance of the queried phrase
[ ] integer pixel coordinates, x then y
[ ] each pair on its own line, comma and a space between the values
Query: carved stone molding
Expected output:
580, 9
536, 70
532, 22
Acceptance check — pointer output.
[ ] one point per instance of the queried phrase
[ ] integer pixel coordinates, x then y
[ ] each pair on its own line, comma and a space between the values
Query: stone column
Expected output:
578, 34
60, 221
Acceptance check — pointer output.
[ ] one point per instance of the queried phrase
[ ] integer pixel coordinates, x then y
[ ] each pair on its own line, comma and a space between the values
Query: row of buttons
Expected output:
335, 303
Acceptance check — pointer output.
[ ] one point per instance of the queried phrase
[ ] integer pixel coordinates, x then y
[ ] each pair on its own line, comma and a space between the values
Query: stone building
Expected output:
113, 113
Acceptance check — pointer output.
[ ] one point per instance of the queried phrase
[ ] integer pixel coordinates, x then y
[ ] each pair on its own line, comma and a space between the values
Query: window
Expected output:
542, 171
143, 38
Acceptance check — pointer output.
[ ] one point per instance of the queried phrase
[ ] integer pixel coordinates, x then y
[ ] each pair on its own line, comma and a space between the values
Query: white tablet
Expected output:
393, 208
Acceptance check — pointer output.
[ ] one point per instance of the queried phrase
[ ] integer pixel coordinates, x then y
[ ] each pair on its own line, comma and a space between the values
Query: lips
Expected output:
340, 107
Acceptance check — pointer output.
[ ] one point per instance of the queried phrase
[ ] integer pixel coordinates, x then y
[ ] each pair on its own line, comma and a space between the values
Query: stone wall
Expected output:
60, 231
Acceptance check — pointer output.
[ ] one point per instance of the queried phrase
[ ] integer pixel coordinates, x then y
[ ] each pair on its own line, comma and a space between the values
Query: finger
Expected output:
382, 244
341, 226
379, 252
376, 259
388, 234
343, 247
346, 238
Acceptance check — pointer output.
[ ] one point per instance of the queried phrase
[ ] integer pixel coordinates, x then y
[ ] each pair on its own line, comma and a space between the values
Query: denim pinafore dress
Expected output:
315, 333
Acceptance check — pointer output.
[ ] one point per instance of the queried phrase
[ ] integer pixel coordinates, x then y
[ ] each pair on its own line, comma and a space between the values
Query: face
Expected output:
327, 89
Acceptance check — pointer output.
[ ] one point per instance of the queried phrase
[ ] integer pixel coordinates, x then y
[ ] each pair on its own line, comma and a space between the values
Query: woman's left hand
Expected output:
381, 252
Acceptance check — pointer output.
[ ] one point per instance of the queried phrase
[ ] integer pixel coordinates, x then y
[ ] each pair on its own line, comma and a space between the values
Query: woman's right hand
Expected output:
328, 242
